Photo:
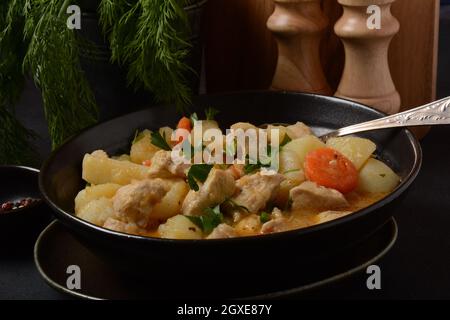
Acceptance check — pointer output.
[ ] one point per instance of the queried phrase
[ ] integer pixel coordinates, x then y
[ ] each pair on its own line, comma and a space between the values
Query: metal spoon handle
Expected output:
434, 113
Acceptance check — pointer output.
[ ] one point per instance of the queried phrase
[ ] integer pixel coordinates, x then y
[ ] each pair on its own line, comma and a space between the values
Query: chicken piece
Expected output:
218, 187
298, 130
277, 213
163, 166
329, 216
278, 223
309, 195
134, 202
237, 215
249, 225
222, 231
256, 190
275, 225
237, 170
119, 226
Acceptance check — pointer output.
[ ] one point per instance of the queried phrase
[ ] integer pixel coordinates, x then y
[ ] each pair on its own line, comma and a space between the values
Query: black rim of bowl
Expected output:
65, 216
270, 295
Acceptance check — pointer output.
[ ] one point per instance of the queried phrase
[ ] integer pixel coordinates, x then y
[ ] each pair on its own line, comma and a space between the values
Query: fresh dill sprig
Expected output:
15, 147
53, 60
147, 36
11, 51
150, 38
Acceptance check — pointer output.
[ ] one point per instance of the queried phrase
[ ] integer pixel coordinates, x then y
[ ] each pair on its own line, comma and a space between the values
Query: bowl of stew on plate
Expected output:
121, 190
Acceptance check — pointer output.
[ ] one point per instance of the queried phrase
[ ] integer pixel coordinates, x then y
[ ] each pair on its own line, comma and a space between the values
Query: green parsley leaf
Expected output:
198, 172
159, 141
197, 220
138, 136
233, 206
286, 140
264, 217
209, 220
290, 171
250, 168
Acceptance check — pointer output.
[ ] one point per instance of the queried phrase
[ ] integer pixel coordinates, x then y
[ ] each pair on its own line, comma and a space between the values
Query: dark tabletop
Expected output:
417, 267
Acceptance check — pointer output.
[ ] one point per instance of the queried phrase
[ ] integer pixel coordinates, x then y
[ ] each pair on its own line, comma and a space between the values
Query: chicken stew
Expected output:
151, 192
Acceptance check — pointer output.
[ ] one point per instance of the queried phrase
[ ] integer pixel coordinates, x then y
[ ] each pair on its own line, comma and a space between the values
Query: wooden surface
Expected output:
241, 53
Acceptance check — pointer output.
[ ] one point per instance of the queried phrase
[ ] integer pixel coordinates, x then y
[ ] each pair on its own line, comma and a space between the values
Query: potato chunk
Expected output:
303, 146
289, 162
180, 227
377, 177
282, 132
100, 170
97, 211
357, 150
107, 190
171, 204
143, 149
290, 167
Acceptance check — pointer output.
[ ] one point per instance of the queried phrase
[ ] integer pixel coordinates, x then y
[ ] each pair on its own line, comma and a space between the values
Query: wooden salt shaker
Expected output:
298, 26
366, 77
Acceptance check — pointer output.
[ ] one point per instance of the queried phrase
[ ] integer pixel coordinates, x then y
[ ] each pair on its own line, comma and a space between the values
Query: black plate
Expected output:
56, 249
17, 183
60, 180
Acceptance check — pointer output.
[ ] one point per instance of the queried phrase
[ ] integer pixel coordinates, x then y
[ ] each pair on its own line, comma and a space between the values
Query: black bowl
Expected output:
60, 180
22, 224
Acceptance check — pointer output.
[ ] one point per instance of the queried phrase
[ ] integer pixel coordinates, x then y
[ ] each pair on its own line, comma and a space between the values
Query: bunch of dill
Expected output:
52, 58
15, 138
149, 37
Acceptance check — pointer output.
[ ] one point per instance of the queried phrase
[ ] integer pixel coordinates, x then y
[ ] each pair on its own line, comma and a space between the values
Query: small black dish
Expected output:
56, 249
22, 225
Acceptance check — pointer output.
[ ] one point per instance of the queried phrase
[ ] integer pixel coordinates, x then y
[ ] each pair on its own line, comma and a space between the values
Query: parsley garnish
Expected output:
159, 141
233, 206
138, 136
209, 220
292, 170
286, 140
198, 172
250, 168
264, 217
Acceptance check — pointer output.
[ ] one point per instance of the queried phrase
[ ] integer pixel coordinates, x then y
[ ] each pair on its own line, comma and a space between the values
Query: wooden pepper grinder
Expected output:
298, 26
366, 77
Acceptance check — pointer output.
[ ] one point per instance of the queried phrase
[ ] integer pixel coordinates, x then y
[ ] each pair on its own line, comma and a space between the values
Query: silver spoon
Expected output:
432, 114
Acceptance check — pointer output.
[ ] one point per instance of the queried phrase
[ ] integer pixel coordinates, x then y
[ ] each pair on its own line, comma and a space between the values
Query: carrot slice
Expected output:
329, 168
185, 123
147, 163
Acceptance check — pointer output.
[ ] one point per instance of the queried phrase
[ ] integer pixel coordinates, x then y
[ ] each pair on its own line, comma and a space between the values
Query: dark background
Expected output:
418, 266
